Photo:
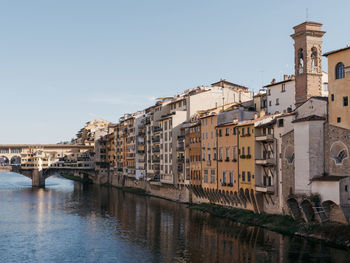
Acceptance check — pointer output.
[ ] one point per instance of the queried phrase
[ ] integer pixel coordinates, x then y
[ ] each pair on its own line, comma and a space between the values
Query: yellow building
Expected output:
339, 87
209, 151
246, 163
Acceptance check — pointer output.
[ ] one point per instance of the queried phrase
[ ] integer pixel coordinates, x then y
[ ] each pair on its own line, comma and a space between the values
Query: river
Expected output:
71, 222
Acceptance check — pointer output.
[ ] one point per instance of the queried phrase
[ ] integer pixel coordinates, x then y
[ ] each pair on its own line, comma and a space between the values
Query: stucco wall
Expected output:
301, 150
328, 190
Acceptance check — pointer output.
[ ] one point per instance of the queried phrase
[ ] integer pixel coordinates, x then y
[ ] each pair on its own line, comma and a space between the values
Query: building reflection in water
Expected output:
172, 232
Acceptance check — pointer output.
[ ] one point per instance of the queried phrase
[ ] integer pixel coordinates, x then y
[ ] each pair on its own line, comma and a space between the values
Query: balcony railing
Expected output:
155, 160
156, 150
180, 159
157, 129
265, 162
266, 137
265, 189
180, 148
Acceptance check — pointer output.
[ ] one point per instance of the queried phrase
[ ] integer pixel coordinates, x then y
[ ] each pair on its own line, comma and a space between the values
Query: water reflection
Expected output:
74, 222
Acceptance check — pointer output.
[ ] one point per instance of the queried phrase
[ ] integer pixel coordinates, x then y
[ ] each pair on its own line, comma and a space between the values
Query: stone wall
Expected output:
336, 139
288, 183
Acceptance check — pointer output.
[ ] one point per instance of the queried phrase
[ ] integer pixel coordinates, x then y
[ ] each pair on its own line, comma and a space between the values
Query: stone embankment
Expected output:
335, 234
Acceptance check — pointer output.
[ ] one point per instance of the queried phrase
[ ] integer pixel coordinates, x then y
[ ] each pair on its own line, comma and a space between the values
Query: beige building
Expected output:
92, 131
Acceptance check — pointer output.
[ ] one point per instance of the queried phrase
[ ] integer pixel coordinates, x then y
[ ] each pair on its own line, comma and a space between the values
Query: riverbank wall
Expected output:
333, 233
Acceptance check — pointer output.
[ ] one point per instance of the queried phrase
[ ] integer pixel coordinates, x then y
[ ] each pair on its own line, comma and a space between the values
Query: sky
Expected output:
64, 62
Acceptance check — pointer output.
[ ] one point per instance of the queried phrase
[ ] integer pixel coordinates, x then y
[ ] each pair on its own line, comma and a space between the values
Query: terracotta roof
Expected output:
310, 118
336, 51
278, 83
228, 83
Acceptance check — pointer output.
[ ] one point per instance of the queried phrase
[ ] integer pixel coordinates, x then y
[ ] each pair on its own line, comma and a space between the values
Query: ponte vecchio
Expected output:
39, 161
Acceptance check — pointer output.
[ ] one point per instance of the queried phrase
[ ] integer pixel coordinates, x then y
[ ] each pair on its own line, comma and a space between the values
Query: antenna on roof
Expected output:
307, 14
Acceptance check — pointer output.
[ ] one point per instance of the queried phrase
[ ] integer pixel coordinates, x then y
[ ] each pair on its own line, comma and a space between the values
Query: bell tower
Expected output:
307, 60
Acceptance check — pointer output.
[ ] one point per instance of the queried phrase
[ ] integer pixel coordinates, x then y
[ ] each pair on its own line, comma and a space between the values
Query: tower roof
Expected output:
309, 28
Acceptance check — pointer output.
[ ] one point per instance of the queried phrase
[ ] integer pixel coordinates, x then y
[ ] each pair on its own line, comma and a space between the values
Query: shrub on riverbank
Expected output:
333, 233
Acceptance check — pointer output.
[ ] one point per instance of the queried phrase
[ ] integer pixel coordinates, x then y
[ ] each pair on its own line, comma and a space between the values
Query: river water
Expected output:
71, 222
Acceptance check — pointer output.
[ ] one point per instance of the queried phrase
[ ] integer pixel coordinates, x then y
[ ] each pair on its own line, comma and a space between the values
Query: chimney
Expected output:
273, 81
285, 77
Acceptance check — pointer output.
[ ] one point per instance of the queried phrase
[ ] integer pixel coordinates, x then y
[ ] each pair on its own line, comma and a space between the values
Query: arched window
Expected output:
314, 62
339, 71
301, 61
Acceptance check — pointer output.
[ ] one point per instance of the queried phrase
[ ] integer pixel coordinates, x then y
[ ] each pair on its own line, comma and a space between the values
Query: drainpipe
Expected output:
217, 163
238, 156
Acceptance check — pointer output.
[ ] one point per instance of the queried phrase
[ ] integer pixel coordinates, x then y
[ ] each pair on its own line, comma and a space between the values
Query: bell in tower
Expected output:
308, 64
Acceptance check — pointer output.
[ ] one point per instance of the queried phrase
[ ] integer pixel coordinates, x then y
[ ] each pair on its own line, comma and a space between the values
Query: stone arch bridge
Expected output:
40, 161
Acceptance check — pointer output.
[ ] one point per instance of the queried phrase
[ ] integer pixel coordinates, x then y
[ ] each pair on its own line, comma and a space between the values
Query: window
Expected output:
235, 152
211, 135
243, 131
332, 97
227, 153
301, 61
269, 92
277, 101
227, 131
234, 131
339, 71
270, 103
248, 131
231, 178
280, 123
338, 120
345, 101
212, 176
220, 153
283, 89
248, 176
224, 177
205, 176
248, 150
243, 176
220, 132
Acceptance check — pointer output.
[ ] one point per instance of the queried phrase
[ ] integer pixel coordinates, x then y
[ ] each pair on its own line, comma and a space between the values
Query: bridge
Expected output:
39, 161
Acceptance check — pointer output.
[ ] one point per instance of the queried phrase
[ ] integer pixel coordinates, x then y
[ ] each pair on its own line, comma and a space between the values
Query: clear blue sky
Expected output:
64, 62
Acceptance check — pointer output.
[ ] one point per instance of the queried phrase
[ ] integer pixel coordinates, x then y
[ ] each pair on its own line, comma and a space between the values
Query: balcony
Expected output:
156, 160
181, 159
180, 148
141, 151
157, 129
265, 189
156, 150
265, 162
262, 138
156, 140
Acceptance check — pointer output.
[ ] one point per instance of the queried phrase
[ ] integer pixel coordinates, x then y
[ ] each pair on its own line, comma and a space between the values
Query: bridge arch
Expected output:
4, 161
15, 160
334, 212
308, 210
294, 209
